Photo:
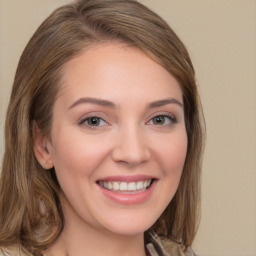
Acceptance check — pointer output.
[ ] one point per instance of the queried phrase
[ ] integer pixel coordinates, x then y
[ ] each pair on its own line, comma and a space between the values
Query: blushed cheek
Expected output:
78, 156
174, 155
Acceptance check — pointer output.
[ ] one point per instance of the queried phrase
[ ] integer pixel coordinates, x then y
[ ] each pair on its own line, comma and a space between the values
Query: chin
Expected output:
130, 225
129, 230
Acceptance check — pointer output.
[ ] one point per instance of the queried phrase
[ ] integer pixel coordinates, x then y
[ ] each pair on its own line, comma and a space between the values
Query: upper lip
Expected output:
127, 178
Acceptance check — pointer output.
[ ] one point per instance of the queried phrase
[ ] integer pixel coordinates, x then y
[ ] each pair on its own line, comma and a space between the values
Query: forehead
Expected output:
116, 68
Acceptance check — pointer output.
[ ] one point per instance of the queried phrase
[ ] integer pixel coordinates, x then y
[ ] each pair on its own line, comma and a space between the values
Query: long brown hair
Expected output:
61, 37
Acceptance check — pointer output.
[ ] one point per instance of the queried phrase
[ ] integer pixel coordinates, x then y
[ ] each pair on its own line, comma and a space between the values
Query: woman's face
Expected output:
118, 138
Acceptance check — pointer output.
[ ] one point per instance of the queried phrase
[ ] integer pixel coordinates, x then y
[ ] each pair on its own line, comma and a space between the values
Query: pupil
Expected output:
159, 120
94, 121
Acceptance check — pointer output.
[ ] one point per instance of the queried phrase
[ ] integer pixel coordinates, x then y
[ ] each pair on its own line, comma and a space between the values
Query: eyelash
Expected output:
87, 119
172, 119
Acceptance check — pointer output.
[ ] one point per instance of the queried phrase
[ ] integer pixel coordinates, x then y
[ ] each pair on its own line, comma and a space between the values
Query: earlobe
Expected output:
40, 148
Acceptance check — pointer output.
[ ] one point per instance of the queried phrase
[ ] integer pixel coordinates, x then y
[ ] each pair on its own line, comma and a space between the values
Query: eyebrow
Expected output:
96, 101
107, 103
160, 103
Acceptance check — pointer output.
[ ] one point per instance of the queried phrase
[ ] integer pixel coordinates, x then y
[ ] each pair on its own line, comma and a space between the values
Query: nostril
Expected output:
131, 156
130, 160
131, 145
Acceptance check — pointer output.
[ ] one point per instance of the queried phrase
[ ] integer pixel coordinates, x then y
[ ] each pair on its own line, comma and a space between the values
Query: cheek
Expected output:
173, 164
77, 155
172, 154
174, 157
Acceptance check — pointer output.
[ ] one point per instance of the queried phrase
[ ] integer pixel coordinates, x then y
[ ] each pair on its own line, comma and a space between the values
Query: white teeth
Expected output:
110, 186
125, 186
139, 185
132, 186
115, 186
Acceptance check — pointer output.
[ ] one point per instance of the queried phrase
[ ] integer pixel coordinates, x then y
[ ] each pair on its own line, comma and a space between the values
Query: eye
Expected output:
93, 121
162, 120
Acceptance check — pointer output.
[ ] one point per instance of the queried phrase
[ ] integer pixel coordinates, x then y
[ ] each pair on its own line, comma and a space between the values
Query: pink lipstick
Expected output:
127, 190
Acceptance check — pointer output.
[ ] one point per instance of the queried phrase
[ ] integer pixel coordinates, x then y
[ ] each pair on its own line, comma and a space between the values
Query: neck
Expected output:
82, 239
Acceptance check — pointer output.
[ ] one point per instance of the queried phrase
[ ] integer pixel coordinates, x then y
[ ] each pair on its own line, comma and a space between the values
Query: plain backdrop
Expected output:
221, 38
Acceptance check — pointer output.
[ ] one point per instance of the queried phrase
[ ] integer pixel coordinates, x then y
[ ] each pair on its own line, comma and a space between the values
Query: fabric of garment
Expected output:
157, 247
167, 247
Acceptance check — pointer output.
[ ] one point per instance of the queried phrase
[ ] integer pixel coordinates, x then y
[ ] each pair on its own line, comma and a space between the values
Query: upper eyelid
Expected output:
86, 118
82, 123
90, 115
167, 114
172, 119
104, 117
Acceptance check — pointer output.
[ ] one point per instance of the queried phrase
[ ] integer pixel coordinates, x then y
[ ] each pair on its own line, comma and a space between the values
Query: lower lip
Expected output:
129, 199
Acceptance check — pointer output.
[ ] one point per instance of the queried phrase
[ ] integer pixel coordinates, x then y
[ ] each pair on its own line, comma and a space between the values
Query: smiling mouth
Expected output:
126, 187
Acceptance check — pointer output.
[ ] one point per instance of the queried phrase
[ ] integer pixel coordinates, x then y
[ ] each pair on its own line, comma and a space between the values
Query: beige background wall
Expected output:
221, 37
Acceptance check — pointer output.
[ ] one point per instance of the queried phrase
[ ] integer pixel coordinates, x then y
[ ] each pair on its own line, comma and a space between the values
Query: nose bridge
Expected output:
131, 146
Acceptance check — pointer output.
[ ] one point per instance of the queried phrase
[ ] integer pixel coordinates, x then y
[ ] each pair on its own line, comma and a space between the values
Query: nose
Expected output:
131, 147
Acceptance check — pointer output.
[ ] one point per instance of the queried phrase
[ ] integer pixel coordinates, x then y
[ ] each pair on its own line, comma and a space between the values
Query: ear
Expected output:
40, 146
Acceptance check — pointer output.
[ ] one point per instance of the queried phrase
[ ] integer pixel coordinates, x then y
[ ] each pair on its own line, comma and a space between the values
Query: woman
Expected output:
103, 137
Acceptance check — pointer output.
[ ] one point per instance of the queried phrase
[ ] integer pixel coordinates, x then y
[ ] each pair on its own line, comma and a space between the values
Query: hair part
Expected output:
62, 36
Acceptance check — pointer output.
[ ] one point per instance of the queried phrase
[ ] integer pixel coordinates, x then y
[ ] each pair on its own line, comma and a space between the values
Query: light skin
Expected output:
118, 113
